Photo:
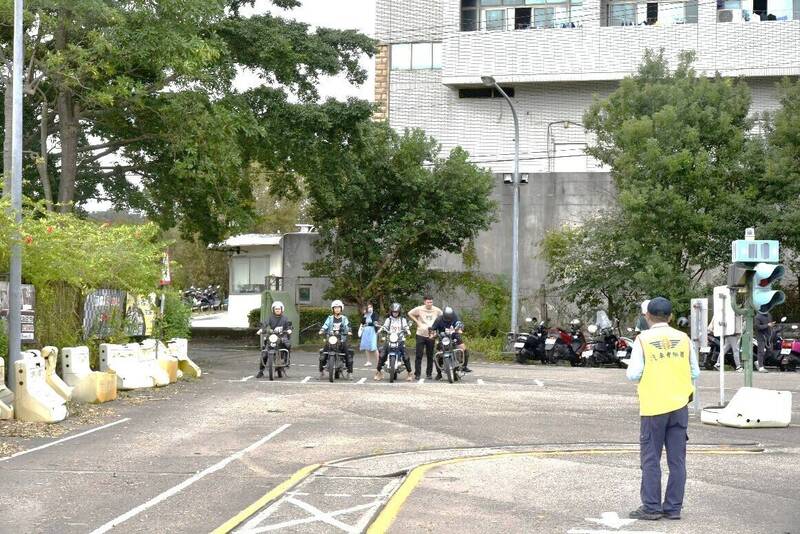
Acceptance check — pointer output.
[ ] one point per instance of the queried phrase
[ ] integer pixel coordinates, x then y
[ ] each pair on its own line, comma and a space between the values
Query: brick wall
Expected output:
382, 83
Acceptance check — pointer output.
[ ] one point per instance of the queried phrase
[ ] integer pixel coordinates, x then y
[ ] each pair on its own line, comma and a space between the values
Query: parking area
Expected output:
511, 449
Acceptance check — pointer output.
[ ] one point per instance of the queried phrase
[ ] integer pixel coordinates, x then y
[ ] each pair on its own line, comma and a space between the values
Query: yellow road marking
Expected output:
393, 505
273, 494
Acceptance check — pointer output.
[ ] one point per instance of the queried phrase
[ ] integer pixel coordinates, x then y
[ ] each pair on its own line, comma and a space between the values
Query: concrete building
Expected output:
554, 56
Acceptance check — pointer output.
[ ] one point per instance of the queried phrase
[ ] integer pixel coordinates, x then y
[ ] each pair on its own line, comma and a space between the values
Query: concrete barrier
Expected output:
6, 395
148, 360
179, 347
50, 357
124, 360
167, 362
36, 400
87, 385
752, 408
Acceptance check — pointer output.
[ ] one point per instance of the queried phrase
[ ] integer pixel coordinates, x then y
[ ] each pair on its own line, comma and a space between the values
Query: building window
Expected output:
484, 92
469, 15
249, 274
304, 294
663, 13
499, 15
416, 56
756, 10
494, 19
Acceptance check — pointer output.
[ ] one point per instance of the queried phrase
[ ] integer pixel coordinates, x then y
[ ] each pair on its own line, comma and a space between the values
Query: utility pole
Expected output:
489, 81
15, 271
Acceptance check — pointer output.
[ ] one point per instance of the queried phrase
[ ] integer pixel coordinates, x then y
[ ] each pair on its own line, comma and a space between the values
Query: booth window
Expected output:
304, 294
248, 274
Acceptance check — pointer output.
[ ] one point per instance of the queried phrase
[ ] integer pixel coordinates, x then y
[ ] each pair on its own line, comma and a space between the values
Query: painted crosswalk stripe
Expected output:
362, 380
306, 379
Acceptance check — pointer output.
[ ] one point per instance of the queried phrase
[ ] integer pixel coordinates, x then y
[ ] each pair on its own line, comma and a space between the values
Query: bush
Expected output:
254, 318
177, 318
490, 348
4, 342
58, 315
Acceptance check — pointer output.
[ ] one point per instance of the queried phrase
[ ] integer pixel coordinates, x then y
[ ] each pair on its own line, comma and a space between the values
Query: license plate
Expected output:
622, 354
786, 351
705, 350
587, 353
549, 343
519, 345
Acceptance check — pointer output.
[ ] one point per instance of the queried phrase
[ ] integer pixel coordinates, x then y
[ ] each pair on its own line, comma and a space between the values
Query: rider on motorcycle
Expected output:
334, 320
449, 321
276, 320
395, 324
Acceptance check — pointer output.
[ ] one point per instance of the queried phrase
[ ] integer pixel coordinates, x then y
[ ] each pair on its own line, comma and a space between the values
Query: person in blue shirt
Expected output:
337, 321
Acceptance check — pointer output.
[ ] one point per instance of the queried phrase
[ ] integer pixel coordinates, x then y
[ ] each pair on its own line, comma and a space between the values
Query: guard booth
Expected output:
275, 292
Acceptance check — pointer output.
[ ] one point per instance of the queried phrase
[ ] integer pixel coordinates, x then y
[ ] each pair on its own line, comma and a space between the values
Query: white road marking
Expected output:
188, 482
62, 440
538, 383
245, 379
592, 531
480, 381
337, 495
421, 381
295, 493
306, 379
611, 519
361, 381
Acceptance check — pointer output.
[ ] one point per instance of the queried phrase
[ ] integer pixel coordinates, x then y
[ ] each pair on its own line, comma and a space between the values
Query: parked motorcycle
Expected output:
773, 357
531, 345
563, 345
275, 354
790, 353
603, 347
334, 354
448, 358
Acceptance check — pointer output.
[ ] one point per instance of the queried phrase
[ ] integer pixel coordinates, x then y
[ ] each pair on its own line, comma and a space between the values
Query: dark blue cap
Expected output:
660, 306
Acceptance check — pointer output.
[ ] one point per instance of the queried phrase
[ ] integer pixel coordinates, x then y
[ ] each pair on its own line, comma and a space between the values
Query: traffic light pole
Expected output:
747, 312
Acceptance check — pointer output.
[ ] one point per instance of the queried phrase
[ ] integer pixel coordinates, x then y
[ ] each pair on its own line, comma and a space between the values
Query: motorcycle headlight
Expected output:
333, 340
592, 328
445, 341
273, 338
393, 337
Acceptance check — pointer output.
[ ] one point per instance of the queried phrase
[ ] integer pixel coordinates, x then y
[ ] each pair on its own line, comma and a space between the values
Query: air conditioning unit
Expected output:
730, 15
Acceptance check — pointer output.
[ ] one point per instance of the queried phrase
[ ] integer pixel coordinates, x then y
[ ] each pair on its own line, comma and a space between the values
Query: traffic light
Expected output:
764, 297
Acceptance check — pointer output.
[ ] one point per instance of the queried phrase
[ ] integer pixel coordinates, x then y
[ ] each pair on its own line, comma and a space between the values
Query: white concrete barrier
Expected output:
179, 347
165, 359
50, 357
124, 360
6, 395
147, 359
88, 386
36, 401
753, 408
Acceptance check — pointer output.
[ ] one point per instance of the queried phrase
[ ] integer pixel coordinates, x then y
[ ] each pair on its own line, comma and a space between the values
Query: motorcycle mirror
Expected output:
528, 320
783, 319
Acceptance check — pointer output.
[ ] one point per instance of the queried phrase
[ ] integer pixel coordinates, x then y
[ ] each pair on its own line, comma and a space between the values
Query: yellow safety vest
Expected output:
666, 382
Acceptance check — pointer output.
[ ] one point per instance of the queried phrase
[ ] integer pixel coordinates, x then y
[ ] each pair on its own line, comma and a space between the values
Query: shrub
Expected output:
254, 318
177, 318
4, 342
489, 347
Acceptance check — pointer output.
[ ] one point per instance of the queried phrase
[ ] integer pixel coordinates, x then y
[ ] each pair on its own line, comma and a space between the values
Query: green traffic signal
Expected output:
764, 297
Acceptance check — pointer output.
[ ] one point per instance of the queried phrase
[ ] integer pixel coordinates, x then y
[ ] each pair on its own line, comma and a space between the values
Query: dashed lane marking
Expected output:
305, 380
362, 380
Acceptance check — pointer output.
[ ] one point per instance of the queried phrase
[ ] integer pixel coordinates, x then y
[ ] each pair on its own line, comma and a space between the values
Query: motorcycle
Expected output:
773, 357
334, 354
604, 348
790, 353
274, 354
563, 345
531, 346
394, 347
448, 358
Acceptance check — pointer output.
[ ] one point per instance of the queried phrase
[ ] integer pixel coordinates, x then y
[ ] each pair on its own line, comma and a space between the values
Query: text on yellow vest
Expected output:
666, 382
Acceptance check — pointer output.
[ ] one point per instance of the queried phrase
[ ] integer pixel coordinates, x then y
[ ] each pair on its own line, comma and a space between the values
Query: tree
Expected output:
134, 102
387, 206
684, 167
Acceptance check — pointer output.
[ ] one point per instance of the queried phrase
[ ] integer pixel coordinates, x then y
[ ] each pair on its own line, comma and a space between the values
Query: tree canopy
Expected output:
134, 102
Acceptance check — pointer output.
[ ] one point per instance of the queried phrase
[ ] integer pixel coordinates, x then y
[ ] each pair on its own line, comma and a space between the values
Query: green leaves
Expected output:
386, 204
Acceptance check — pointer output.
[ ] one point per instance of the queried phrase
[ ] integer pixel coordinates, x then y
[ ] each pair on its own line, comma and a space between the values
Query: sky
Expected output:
340, 14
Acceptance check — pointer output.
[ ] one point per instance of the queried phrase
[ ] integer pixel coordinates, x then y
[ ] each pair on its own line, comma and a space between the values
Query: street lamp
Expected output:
489, 81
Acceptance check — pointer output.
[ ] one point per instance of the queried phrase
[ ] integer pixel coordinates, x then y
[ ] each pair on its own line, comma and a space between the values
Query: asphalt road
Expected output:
512, 449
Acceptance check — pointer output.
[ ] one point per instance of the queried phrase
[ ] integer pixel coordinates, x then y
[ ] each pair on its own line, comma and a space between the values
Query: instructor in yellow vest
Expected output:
664, 362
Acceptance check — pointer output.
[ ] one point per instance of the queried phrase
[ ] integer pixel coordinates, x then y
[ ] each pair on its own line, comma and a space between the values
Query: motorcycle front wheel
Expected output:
448, 369
392, 369
331, 367
271, 365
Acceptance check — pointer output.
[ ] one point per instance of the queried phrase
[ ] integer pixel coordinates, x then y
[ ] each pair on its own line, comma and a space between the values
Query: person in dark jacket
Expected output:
277, 323
450, 321
762, 325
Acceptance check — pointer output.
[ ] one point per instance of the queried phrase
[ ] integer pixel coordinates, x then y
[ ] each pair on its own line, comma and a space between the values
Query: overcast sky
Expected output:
341, 14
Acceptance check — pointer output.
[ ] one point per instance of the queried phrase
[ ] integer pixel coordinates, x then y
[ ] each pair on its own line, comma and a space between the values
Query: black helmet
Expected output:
683, 322
449, 314
395, 307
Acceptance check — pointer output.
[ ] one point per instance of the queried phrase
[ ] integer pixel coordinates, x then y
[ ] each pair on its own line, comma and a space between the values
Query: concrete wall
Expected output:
298, 249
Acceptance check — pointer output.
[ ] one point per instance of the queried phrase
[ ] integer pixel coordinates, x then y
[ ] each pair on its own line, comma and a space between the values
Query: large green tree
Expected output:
387, 205
134, 102
688, 177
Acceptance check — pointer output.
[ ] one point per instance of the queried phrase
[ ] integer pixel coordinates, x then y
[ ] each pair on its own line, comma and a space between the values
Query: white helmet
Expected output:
336, 303
644, 306
278, 304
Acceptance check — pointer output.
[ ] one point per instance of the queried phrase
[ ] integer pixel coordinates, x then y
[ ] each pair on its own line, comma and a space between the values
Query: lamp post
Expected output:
489, 81
15, 267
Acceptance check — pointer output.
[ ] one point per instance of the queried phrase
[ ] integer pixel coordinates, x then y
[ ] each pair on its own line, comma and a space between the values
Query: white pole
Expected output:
721, 362
15, 267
